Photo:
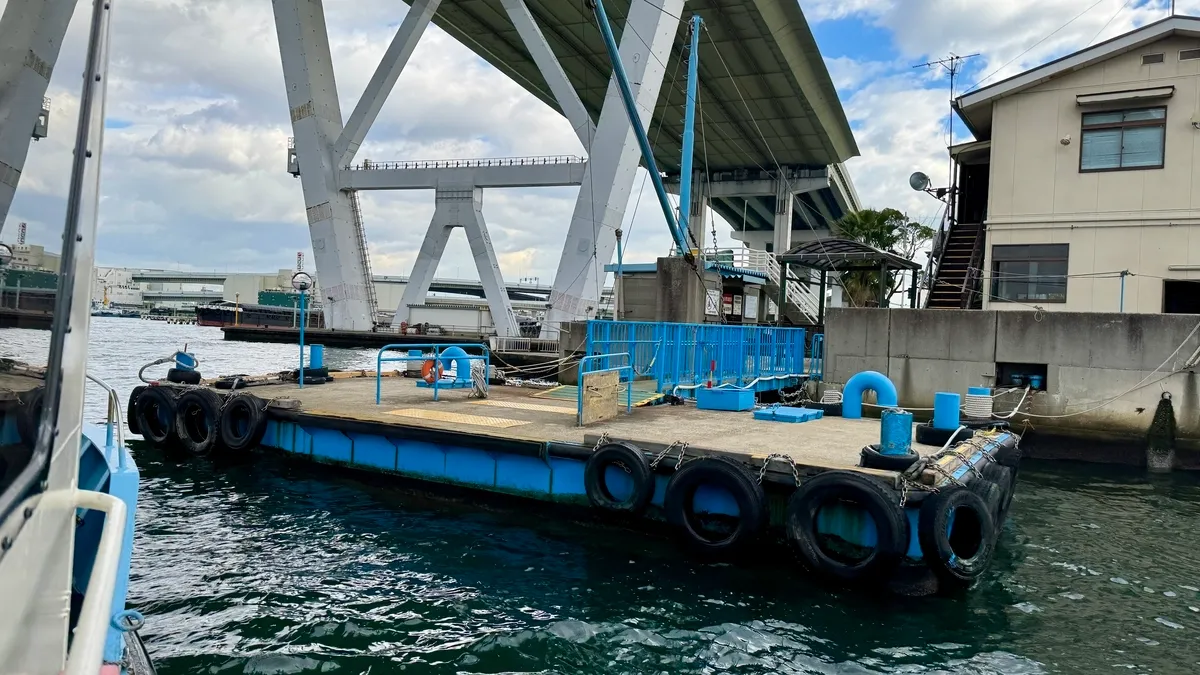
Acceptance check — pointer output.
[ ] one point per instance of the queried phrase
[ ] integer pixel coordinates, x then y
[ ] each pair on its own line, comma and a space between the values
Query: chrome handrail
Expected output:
114, 419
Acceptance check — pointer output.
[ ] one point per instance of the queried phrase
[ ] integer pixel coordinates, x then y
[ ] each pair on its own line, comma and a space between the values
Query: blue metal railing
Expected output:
678, 355
436, 356
604, 360
817, 358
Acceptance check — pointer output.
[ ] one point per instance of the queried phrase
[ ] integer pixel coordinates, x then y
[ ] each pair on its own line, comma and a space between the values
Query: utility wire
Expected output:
1106, 23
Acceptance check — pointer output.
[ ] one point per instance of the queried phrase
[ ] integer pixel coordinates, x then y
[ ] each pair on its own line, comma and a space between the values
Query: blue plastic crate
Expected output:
724, 399
786, 414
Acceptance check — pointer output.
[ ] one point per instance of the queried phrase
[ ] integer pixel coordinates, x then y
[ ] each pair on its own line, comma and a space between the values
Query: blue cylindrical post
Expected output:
946, 407
316, 357
895, 432
301, 379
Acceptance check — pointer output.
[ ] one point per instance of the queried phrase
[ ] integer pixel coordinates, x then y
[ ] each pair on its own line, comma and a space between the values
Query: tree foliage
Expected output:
887, 230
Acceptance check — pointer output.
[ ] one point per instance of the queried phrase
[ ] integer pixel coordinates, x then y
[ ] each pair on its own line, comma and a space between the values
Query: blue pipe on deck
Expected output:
689, 127
636, 122
852, 395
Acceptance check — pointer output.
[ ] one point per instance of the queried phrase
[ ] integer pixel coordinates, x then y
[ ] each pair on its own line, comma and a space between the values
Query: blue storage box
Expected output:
724, 399
786, 414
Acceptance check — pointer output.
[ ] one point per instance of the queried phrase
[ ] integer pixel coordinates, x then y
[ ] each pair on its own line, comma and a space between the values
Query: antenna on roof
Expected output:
953, 64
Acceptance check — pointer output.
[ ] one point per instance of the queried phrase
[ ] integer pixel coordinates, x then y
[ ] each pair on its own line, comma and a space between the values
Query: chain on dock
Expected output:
762, 472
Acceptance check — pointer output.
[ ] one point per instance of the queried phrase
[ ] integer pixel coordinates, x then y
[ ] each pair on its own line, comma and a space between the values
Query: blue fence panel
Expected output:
686, 355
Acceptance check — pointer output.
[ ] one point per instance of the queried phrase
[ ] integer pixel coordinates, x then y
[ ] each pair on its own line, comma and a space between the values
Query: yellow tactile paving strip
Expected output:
517, 405
458, 418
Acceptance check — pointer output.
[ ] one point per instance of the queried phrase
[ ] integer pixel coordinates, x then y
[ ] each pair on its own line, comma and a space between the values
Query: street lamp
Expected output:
6, 256
302, 281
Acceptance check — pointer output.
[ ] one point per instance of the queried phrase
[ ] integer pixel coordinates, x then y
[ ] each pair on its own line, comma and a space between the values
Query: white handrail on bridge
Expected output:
368, 165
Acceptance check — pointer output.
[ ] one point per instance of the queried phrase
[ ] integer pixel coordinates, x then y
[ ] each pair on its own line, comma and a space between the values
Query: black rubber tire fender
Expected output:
928, 435
29, 415
198, 420
243, 422
992, 496
733, 477
155, 411
1006, 479
872, 458
881, 503
628, 457
941, 546
180, 376
130, 410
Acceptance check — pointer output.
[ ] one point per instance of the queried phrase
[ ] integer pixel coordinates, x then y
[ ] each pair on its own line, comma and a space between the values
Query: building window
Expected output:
1123, 139
1029, 273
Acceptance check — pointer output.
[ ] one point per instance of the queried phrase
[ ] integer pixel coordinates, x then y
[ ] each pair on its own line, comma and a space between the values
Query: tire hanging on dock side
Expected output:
197, 420
927, 434
154, 411
628, 458
1006, 479
30, 415
880, 503
871, 458
243, 422
131, 410
679, 503
956, 551
992, 496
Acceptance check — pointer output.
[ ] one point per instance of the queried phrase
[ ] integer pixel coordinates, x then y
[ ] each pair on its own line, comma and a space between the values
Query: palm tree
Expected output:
887, 230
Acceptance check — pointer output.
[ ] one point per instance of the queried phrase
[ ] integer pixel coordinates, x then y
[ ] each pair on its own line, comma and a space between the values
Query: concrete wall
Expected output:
1090, 358
1143, 220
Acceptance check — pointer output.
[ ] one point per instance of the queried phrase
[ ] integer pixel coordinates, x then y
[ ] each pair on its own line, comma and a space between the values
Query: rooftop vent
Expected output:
1148, 59
1189, 54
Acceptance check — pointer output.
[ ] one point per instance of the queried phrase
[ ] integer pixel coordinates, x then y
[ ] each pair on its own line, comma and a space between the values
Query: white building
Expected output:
1085, 177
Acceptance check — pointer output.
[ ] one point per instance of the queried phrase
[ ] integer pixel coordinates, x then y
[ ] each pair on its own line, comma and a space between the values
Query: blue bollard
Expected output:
316, 356
895, 432
945, 410
979, 391
462, 365
852, 394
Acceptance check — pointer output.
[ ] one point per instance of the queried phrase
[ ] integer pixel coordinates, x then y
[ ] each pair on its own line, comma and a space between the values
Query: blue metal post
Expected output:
301, 380
636, 122
1122, 305
689, 127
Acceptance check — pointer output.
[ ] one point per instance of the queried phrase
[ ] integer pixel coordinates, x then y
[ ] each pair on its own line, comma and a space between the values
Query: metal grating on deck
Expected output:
643, 394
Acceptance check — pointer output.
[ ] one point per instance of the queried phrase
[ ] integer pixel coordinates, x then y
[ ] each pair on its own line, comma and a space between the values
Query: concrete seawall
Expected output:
1089, 358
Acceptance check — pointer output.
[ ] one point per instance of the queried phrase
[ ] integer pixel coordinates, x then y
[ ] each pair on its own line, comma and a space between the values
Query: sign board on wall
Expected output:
751, 307
737, 305
727, 303
712, 302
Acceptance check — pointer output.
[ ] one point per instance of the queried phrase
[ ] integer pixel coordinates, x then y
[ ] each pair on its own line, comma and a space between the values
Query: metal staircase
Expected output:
803, 305
956, 282
364, 257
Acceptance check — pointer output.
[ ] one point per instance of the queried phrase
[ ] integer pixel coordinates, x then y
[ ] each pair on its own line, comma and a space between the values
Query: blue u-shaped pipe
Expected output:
852, 395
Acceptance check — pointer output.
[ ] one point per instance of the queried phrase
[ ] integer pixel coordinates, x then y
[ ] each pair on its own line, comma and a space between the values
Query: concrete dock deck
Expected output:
518, 414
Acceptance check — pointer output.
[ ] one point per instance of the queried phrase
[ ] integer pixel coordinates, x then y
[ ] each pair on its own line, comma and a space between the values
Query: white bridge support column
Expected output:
338, 245
612, 166
698, 212
785, 200
31, 35
460, 207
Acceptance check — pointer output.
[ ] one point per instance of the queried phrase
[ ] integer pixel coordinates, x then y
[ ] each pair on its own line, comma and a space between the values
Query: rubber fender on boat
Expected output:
991, 494
30, 415
180, 376
154, 411
957, 552
729, 475
628, 458
130, 412
1006, 478
197, 420
1009, 453
880, 503
871, 458
927, 434
852, 393
243, 422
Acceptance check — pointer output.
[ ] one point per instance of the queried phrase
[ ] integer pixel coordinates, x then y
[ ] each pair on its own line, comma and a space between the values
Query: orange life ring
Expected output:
427, 371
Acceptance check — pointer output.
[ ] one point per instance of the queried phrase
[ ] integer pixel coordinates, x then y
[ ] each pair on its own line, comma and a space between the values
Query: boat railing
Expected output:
113, 420
437, 355
524, 344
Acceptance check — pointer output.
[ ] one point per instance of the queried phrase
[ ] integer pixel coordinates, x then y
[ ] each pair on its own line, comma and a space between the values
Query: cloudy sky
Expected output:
194, 163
